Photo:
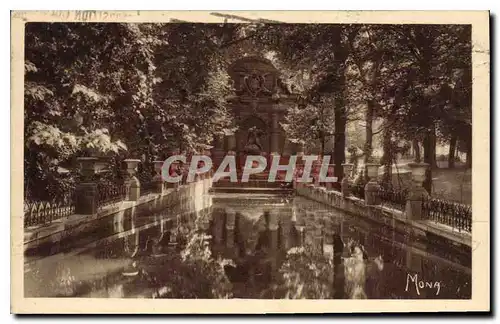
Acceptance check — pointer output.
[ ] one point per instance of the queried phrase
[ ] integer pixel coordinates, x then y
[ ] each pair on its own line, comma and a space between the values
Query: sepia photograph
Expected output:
245, 157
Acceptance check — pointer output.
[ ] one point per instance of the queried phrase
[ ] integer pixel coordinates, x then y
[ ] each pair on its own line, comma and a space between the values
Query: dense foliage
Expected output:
146, 90
111, 89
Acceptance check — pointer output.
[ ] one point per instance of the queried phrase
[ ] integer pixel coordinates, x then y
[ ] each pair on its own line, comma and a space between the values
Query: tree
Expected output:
413, 96
320, 49
309, 123
84, 82
368, 50
68, 93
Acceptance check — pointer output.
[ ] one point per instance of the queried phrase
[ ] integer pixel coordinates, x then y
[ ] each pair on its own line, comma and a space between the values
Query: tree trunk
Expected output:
451, 154
369, 131
322, 145
434, 143
388, 157
423, 39
338, 87
430, 158
468, 158
334, 85
416, 150
339, 143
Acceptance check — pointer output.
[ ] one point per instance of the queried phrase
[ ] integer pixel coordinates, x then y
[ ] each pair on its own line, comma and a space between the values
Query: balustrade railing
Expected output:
450, 213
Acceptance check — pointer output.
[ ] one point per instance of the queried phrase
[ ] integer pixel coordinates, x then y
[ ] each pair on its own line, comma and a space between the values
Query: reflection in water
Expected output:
249, 247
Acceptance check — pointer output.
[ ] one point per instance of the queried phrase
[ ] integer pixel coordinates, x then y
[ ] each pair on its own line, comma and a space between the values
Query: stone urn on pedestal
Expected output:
346, 180
417, 192
87, 195
133, 185
372, 187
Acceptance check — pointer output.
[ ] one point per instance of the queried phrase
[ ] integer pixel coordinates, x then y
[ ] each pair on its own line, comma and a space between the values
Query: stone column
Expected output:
346, 182
158, 179
133, 184
372, 187
275, 133
417, 193
230, 226
87, 195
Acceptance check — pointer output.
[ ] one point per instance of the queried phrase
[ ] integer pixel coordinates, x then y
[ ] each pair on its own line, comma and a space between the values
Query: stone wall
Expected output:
62, 234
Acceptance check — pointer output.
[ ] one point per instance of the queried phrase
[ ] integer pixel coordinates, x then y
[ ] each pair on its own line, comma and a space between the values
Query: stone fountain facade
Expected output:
258, 106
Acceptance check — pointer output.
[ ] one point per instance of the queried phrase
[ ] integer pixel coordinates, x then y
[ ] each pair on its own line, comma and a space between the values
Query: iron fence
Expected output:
450, 213
148, 187
110, 193
146, 179
45, 212
393, 197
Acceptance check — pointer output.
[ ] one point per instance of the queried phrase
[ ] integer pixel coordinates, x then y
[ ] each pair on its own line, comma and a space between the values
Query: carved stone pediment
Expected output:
254, 77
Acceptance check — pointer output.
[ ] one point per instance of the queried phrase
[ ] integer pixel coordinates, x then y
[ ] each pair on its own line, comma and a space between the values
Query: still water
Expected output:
248, 246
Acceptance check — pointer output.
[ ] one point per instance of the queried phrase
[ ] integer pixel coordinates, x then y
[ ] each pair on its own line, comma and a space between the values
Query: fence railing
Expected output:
450, 213
110, 193
455, 215
148, 187
393, 197
45, 212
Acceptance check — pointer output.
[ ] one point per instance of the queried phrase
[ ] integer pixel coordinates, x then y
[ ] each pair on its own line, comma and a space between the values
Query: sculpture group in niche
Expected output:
253, 146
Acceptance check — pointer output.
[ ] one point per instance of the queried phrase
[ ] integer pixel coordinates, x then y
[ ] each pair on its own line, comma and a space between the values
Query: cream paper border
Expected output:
481, 175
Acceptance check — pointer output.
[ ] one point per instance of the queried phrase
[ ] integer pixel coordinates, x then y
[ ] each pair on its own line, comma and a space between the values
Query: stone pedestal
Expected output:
372, 187
158, 179
86, 198
87, 195
133, 184
417, 193
346, 180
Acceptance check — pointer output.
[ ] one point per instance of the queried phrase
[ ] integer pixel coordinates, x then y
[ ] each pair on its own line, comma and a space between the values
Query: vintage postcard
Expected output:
250, 162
